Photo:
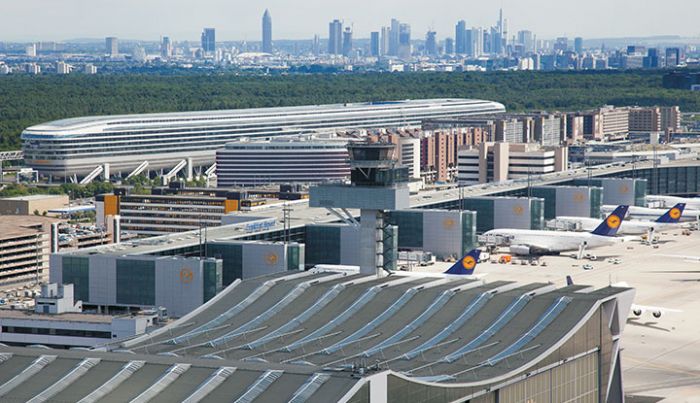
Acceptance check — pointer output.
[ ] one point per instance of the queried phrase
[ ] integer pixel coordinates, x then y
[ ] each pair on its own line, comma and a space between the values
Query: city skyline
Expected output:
233, 22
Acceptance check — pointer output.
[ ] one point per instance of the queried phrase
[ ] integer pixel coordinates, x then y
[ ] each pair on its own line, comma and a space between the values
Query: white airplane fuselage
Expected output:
628, 227
647, 213
538, 241
692, 203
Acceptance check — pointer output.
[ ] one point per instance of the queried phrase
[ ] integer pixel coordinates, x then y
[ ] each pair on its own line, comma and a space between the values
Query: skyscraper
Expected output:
267, 32
384, 40
347, 42
449, 46
431, 47
166, 48
209, 40
335, 37
374, 44
525, 38
477, 42
578, 45
393, 49
460, 37
112, 45
673, 57
316, 45
404, 50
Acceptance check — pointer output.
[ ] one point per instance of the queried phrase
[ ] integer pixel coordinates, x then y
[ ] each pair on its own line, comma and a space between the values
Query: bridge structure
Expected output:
16, 155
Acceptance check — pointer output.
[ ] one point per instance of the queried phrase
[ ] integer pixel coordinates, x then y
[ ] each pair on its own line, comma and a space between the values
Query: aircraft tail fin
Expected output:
611, 224
466, 265
673, 215
569, 281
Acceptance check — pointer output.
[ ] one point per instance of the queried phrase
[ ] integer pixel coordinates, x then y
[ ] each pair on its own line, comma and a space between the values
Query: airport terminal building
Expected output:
344, 337
120, 144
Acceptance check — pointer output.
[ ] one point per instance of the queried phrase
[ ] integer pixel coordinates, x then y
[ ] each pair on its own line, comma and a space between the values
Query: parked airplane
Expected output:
665, 201
637, 310
464, 267
668, 220
650, 214
537, 242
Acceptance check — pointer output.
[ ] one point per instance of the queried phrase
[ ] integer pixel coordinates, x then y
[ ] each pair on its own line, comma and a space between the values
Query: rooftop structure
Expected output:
122, 143
353, 336
281, 161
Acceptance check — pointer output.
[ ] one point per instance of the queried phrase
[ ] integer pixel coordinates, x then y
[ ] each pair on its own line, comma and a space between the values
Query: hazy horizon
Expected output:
33, 20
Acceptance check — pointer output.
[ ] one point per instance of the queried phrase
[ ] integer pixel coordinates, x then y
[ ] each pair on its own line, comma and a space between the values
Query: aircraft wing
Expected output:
684, 257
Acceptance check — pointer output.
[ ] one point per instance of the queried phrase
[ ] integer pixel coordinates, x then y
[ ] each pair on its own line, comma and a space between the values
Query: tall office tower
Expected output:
209, 40
385, 40
449, 46
335, 37
112, 45
469, 42
374, 44
267, 32
578, 45
561, 44
673, 57
651, 61
347, 42
404, 50
500, 21
316, 45
477, 42
30, 50
166, 48
431, 47
525, 38
496, 41
394, 33
461, 37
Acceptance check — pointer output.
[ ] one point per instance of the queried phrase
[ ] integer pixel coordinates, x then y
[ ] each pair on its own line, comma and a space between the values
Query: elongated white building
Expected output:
79, 145
281, 160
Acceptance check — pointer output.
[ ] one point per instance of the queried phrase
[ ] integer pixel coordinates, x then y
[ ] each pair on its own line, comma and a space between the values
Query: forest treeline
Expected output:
28, 100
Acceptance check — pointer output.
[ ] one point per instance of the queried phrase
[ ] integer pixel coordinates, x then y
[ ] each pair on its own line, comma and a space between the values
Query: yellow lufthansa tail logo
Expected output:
468, 262
614, 221
271, 258
675, 213
186, 276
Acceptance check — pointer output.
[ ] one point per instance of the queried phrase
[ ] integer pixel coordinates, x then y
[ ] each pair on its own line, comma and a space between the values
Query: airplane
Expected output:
463, 268
691, 202
538, 242
650, 214
637, 310
669, 220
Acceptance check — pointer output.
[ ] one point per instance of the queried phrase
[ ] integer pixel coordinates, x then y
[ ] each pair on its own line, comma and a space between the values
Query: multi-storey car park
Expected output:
123, 144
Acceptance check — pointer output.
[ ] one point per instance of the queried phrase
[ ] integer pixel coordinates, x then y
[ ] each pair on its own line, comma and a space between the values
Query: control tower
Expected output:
377, 184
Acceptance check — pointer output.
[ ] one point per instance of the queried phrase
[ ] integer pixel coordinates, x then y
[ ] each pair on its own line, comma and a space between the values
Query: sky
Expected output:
33, 20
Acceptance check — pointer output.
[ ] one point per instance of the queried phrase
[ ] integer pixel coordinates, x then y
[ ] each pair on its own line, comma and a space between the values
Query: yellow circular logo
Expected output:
614, 221
518, 210
675, 213
624, 189
448, 223
579, 197
468, 262
186, 276
271, 258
